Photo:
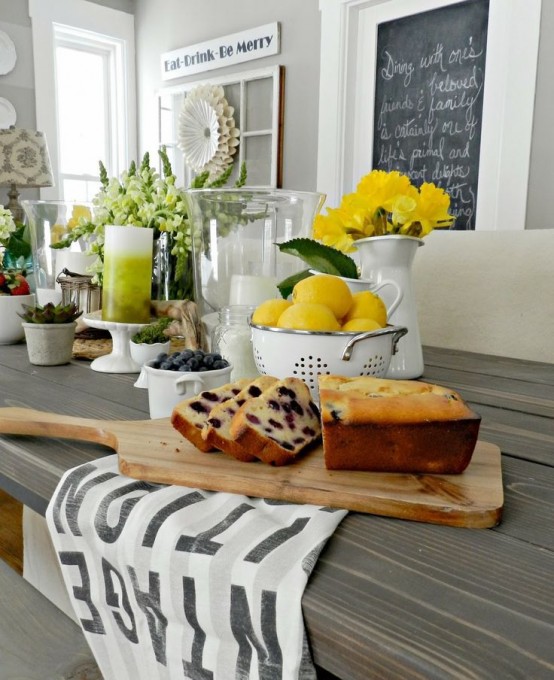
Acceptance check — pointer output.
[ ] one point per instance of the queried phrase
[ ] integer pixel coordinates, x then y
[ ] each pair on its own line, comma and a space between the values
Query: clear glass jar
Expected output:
232, 338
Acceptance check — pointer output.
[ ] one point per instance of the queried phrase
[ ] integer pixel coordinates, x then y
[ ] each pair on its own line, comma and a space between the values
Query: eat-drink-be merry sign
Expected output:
254, 43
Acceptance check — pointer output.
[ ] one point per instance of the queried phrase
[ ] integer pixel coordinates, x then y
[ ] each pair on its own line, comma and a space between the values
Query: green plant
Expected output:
153, 333
144, 197
14, 237
50, 313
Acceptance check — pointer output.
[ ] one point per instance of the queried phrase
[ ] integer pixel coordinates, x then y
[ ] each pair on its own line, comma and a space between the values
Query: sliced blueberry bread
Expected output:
216, 432
190, 415
276, 426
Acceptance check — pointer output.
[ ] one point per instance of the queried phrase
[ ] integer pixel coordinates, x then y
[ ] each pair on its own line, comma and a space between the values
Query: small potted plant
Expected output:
50, 332
150, 341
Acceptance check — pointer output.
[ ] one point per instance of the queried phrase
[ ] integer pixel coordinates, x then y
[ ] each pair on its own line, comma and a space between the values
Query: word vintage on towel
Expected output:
171, 582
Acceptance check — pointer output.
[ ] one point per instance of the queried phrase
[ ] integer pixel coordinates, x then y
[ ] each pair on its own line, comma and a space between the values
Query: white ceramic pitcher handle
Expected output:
180, 383
399, 294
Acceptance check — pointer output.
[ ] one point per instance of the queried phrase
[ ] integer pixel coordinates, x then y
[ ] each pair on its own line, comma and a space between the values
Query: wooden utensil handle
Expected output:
25, 421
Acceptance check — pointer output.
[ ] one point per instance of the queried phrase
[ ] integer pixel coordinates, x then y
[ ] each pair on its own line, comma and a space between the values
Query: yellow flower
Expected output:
330, 230
383, 203
402, 210
385, 187
432, 209
76, 214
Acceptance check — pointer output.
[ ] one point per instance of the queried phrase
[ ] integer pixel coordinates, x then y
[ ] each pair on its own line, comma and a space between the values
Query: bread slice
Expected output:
276, 426
190, 415
217, 430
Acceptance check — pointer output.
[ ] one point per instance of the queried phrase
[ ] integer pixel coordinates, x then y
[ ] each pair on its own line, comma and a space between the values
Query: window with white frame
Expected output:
256, 97
84, 56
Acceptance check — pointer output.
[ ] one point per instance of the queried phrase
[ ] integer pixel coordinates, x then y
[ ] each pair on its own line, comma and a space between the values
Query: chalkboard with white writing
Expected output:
430, 79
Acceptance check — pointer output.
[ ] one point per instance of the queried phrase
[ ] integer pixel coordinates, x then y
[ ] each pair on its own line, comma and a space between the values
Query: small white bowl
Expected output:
167, 388
141, 352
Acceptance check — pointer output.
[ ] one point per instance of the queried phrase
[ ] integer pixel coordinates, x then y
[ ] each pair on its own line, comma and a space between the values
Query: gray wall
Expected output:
164, 25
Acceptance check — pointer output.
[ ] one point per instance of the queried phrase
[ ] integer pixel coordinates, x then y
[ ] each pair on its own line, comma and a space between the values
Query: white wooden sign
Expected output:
254, 43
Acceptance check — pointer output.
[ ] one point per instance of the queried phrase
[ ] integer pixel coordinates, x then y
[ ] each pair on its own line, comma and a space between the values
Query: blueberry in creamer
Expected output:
189, 361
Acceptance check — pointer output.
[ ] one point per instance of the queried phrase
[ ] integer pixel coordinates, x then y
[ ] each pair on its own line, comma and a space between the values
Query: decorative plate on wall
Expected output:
8, 56
8, 116
207, 134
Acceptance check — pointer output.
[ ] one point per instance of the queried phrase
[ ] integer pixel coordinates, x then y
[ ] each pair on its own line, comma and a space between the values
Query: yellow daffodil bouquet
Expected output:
384, 203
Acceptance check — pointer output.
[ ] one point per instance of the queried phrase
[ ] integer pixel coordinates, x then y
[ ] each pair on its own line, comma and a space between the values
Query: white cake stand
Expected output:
119, 361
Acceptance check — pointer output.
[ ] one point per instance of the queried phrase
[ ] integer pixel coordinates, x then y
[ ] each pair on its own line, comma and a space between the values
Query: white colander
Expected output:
284, 352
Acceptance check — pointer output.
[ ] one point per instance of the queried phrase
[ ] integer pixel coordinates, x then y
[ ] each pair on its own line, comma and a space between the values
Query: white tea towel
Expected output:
170, 582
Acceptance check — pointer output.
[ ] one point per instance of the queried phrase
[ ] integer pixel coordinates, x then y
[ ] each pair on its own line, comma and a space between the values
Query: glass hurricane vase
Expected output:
235, 232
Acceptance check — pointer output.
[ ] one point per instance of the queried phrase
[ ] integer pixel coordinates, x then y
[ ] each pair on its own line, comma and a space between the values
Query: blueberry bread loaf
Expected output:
276, 426
217, 430
384, 425
189, 416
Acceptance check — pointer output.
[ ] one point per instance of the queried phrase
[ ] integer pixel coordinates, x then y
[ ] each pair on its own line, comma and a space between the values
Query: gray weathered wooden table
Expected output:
388, 598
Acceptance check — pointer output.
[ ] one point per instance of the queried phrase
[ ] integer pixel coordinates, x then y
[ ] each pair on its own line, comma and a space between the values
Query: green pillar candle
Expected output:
127, 277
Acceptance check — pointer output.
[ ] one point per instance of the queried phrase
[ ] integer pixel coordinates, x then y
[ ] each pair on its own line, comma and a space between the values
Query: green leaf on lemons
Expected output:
286, 285
322, 258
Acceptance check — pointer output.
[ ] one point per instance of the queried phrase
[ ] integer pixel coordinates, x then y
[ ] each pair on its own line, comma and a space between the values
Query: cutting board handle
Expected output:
14, 420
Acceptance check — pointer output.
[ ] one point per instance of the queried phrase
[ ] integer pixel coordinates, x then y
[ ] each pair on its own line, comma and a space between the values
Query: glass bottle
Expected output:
232, 338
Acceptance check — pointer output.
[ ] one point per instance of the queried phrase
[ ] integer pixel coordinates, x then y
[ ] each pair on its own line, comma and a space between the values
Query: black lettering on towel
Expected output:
149, 603
165, 512
270, 655
203, 544
111, 574
75, 494
276, 539
83, 592
110, 534
193, 669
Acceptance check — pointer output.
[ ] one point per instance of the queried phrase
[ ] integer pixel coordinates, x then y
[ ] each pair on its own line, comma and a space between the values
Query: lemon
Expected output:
367, 305
324, 289
308, 316
361, 325
268, 312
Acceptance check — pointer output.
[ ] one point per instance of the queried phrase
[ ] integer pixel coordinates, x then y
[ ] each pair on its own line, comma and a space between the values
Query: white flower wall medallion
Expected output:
207, 134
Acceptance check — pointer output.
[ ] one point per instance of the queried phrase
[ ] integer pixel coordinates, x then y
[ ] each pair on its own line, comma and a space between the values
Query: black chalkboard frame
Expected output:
347, 83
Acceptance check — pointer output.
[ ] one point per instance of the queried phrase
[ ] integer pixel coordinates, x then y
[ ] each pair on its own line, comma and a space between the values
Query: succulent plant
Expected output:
50, 313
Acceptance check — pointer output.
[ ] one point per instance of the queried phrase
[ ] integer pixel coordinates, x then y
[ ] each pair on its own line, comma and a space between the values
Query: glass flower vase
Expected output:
390, 258
172, 275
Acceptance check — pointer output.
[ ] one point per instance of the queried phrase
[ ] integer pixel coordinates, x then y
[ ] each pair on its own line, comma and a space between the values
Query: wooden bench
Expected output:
37, 640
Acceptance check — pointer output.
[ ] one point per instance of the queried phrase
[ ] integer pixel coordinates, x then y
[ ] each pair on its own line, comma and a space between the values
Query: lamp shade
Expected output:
24, 158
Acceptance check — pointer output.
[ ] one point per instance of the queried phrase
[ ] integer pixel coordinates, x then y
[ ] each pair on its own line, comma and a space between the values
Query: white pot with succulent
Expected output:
50, 332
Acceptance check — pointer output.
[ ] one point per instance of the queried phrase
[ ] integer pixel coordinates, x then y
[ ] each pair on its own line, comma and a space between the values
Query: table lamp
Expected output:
24, 162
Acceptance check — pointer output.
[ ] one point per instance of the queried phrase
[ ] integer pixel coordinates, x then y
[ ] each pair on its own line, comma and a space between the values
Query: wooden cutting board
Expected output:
153, 450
